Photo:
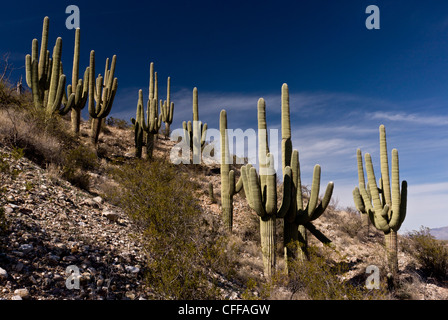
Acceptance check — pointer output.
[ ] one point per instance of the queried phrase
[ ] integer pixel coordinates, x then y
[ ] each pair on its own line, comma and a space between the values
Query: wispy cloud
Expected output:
420, 119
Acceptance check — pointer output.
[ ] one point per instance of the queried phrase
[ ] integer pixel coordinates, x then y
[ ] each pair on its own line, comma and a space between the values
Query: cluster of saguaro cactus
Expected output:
154, 119
261, 192
385, 204
101, 94
195, 132
44, 75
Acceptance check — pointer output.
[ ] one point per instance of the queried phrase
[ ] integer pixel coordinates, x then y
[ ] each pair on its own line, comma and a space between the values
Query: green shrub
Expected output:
320, 279
77, 162
119, 123
181, 245
429, 252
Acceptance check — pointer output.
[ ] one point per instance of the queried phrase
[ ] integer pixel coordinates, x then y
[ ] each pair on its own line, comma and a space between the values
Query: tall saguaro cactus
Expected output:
167, 109
261, 192
80, 87
299, 218
153, 122
384, 203
44, 75
195, 132
101, 94
228, 186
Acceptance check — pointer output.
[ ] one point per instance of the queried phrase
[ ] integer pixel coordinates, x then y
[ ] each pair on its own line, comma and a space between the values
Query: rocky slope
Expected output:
55, 226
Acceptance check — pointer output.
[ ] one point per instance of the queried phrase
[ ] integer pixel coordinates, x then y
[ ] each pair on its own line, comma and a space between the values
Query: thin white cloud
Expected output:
410, 118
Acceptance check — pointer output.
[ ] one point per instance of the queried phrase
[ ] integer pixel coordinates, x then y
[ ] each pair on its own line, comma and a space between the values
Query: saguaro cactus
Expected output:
228, 186
44, 75
153, 119
385, 204
298, 218
167, 109
79, 87
139, 125
261, 192
195, 132
101, 94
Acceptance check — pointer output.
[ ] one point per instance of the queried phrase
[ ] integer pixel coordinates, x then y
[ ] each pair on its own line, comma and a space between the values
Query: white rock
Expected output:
112, 216
22, 293
98, 200
132, 269
3, 274
26, 247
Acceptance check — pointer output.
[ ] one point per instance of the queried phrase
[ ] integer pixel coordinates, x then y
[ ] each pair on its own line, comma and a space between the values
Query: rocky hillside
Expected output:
52, 226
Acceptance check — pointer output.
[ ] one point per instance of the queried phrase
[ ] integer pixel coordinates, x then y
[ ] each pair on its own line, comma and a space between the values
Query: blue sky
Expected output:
344, 79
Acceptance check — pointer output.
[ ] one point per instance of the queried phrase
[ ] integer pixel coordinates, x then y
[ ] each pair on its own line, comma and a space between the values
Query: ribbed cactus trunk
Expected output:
392, 251
79, 87
268, 243
227, 175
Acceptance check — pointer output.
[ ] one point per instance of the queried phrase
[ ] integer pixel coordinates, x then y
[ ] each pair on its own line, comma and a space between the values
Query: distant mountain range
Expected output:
440, 233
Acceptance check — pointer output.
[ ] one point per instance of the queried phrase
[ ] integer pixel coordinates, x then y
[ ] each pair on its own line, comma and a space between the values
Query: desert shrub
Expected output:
320, 279
429, 252
43, 140
182, 247
77, 162
119, 123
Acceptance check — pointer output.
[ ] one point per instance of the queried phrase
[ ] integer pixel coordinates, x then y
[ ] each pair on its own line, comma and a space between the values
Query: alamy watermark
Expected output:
373, 280
73, 20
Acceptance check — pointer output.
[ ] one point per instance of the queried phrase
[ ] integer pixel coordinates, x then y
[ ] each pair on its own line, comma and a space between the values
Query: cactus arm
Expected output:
286, 128
28, 73
55, 74
246, 186
239, 185
318, 234
255, 190
287, 189
395, 191
295, 166
385, 167
171, 113
91, 105
324, 203
357, 199
271, 189
315, 186
231, 183
403, 203
377, 205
